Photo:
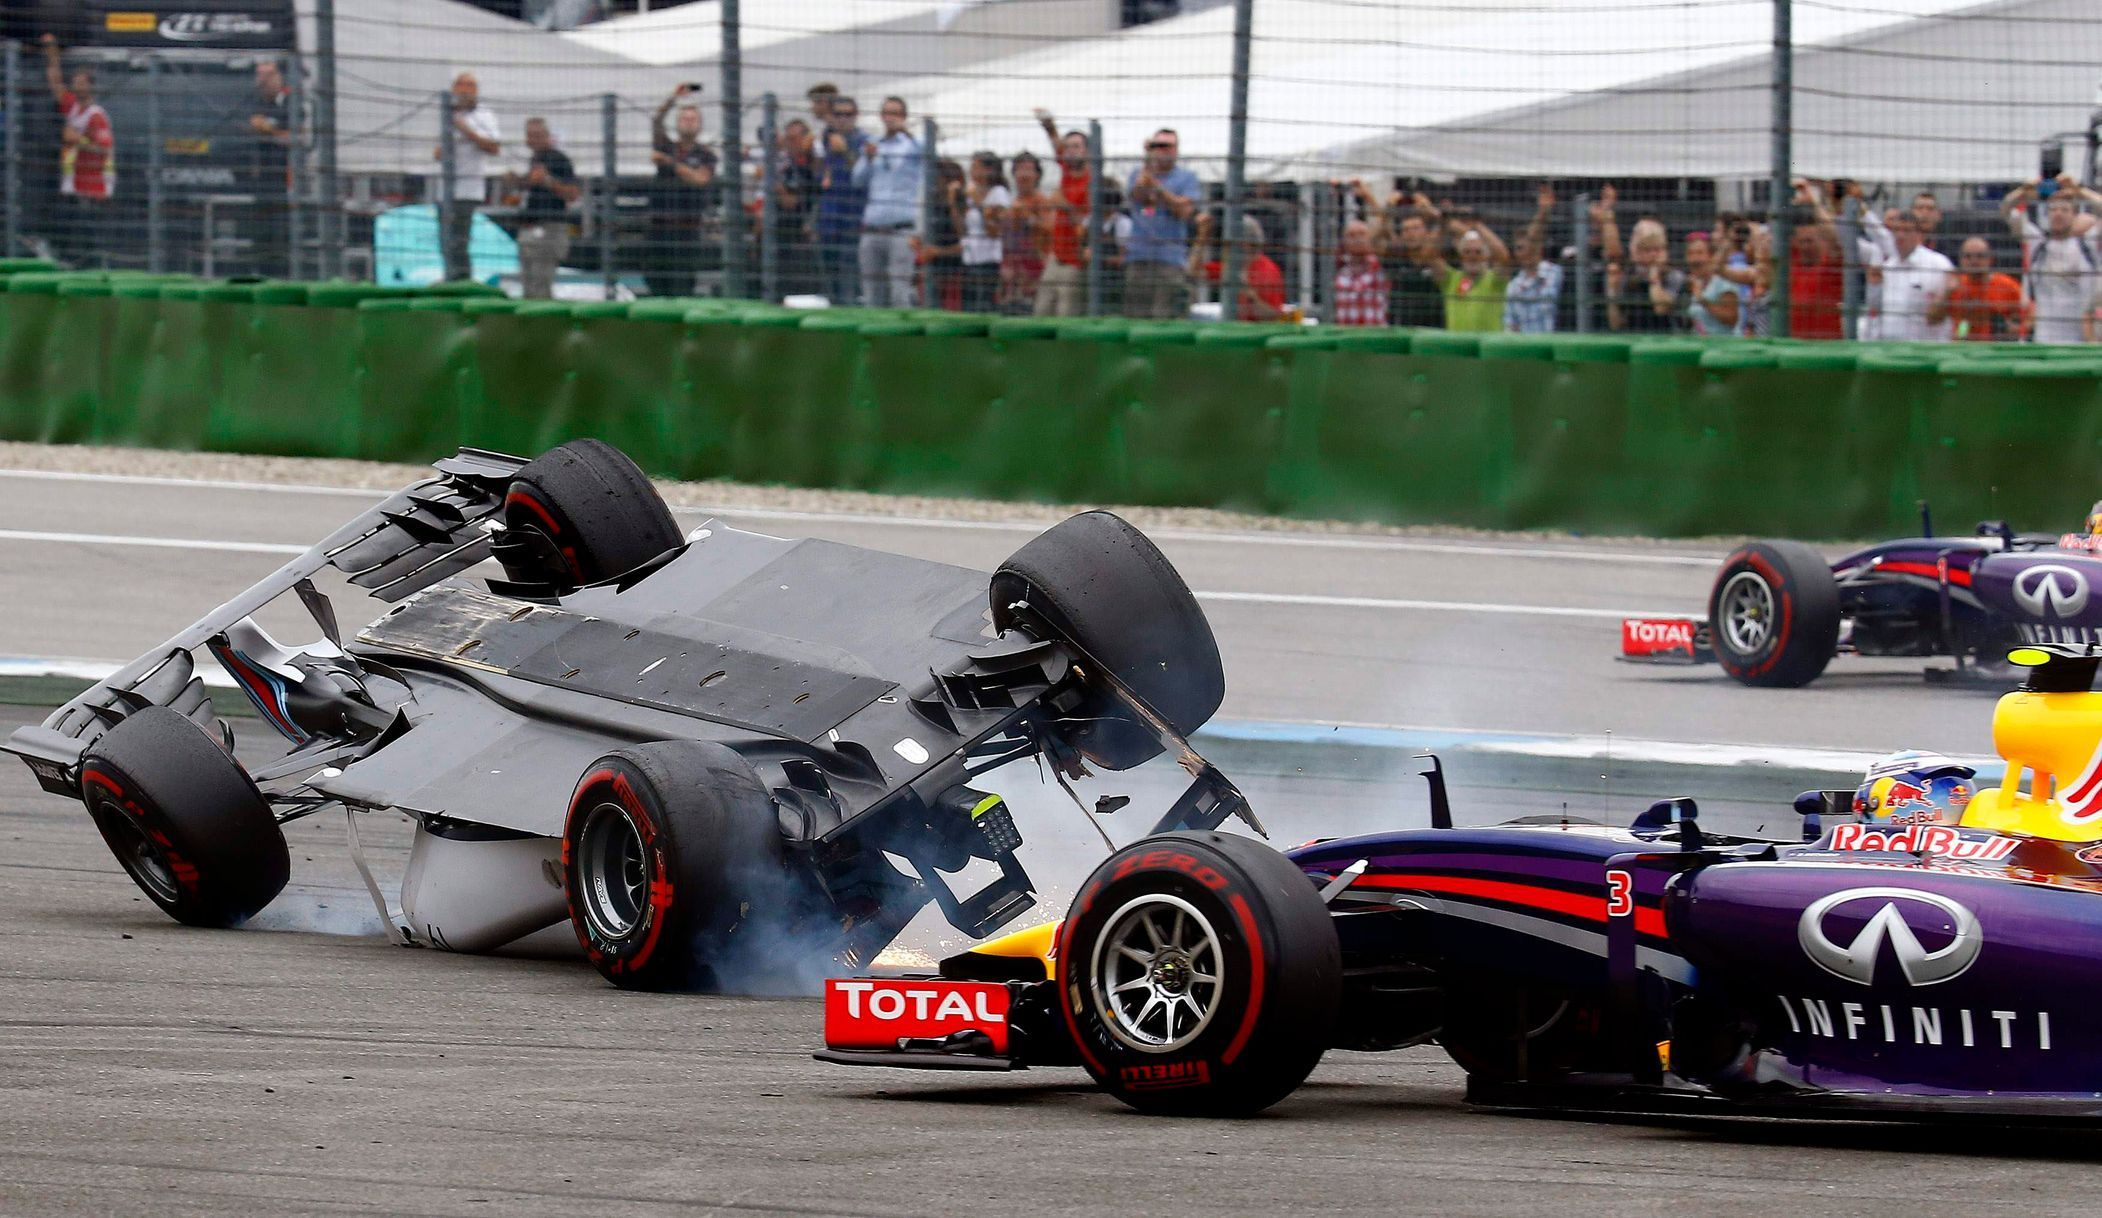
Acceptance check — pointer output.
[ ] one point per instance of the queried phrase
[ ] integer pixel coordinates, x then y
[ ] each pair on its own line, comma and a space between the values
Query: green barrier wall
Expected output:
1582, 432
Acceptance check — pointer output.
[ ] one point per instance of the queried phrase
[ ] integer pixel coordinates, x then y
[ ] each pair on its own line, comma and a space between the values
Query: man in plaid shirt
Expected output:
1361, 286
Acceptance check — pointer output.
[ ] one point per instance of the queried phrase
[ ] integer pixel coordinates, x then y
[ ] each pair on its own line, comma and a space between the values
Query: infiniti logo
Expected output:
2048, 587
1856, 961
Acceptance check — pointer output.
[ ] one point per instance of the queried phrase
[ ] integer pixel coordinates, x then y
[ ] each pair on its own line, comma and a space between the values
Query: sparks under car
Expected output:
695, 748
1778, 613
1865, 968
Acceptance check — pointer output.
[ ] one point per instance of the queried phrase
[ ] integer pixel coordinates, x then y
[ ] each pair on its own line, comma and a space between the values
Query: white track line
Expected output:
1256, 598
1281, 538
157, 543
1378, 602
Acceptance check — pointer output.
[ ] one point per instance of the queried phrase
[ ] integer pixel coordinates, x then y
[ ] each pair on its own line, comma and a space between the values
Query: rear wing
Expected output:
402, 545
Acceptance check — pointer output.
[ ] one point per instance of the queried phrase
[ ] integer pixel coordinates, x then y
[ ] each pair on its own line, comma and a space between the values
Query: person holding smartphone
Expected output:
683, 194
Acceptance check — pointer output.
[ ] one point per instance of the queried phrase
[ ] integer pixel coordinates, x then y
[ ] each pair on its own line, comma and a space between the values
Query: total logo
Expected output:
1649, 636
1897, 924
881, 1013
1939, 840
897, 1002
2049, 589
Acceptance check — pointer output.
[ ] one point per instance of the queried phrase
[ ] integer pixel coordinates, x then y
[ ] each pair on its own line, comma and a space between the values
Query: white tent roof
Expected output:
394, 56
1914, 90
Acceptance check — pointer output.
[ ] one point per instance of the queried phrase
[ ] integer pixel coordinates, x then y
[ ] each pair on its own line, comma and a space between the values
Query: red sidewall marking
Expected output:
660, 890
1246, 917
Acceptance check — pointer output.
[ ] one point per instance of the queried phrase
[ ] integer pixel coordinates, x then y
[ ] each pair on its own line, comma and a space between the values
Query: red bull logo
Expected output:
1940, 840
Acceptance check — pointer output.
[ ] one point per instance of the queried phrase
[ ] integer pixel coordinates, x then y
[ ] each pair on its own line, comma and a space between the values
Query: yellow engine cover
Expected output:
2053, 738
1038, 942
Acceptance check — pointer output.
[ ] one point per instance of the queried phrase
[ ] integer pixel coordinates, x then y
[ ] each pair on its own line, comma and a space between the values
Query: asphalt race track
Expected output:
303, 1065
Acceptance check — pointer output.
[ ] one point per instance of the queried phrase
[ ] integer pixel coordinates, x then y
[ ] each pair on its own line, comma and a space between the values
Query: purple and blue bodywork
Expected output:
1969, 598
1866, 971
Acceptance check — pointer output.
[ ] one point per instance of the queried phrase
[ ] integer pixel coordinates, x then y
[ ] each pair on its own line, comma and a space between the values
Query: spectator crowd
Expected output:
869, 215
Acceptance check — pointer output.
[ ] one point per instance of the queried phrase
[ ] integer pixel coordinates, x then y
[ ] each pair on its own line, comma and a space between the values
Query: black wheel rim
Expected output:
140, 856
612, 873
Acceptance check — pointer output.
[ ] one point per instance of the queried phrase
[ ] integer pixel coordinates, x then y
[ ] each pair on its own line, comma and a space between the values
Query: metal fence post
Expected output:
769, 197
733, 152
930, 198
331, 204
1581, 226
608, 187
156, 251
445, 200
1322, 228
1781, 191
295, 181
1230, 262
1095, 219
11, 168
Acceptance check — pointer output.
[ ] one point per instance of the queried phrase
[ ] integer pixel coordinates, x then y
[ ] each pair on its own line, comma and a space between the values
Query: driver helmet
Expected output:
1915, 788
2094, 520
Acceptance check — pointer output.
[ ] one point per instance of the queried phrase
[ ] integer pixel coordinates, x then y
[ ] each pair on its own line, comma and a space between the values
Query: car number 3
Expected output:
1620, 894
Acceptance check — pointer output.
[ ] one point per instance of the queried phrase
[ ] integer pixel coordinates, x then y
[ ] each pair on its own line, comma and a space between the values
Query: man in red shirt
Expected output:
1361, 286
1062, 292
1263, 294
1985, 305
87, 174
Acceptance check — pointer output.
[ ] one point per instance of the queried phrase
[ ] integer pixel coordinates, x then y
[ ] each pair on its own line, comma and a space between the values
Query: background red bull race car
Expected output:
1779, 612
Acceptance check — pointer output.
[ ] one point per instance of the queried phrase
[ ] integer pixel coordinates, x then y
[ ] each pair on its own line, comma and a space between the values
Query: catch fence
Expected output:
1574, 165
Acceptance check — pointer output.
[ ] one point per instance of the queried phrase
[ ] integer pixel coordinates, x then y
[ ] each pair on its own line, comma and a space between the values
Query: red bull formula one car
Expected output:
1778, 612
1885, 963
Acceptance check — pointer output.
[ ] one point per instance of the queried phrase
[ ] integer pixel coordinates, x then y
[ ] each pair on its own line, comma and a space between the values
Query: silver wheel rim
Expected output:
1747, 605
139, 856
1159, 974
612, 872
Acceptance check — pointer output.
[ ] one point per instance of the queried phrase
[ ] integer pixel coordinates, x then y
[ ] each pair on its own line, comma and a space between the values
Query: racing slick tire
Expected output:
1773, 615
590, 513
1098, 582
673, 863
1199, 974
184, 819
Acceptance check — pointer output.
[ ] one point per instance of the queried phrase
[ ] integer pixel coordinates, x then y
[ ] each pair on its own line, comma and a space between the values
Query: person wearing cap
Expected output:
1262, 294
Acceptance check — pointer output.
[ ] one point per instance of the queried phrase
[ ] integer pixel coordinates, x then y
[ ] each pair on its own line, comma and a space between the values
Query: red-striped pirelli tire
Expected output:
184, 819
673, 861
1773, 615
1199, 975
597, 510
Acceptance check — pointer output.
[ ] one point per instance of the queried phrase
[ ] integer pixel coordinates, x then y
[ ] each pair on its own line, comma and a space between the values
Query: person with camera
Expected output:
2062, 256
1162, 196
550, 185
840, 201
682, 196
1643, 293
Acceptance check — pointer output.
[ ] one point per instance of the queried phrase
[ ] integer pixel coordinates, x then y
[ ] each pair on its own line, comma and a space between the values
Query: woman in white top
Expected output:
984, 223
